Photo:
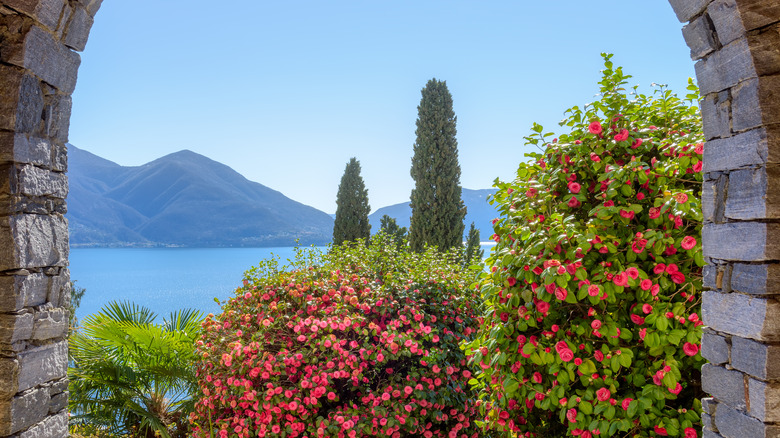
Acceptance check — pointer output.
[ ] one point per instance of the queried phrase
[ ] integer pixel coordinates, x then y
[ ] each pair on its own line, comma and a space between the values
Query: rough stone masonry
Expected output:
736, 46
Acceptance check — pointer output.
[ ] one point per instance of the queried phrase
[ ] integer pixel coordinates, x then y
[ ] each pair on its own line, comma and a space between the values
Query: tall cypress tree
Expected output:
474, 252
437, 207
351, 206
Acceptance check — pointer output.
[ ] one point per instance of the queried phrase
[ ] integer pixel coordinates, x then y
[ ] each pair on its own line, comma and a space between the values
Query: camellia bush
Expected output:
362, 341
594, 287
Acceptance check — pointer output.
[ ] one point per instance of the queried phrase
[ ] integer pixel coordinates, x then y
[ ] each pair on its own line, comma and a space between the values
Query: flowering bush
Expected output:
360, 342
593, 293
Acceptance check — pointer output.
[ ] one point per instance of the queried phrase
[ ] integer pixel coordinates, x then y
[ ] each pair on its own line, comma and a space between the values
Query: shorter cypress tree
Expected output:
351, 206
473, 251
391, 228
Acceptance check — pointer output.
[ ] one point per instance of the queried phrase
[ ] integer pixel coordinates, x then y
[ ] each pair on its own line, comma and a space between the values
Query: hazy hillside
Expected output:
477, 210
182, 199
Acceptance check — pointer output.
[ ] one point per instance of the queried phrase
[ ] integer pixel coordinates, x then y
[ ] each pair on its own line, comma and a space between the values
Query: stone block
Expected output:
33, 241
755, 358
47, 12
769, 96
9, 369
745, 108
30, 180
758, 13
756, 279
726, 19
754, 194
709, 405
59, 157
58, 387
727, 386
50, 324
91, 6
725, 68
58, 402
77, 32
734, 424
717, 277
741, 241
710, 434
763, 46
716, 115
23, 148
687, 9
23, 411
20, 291
764, 400
713, 198
715, 348
700, 36
42, 364
54, 426
30, 105
15, 327
742, 315
57, 116
751, 148
59, 289
46, 57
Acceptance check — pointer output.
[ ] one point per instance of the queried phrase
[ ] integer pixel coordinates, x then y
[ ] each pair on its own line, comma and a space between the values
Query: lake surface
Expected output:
166, 279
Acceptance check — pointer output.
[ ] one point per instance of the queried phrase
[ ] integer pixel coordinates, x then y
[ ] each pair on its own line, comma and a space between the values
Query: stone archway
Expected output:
736, 46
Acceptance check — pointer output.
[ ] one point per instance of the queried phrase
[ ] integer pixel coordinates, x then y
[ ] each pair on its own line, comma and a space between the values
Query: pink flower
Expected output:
594, 128
537, 377
620, 279
593, 290
690, 432
543, 306
566, 355
646, 284
678, 277
571, 415
561, 293
603, 394
676, 390
690, 349
646, 308
574, 187
682, 198
642, 333
655, 212
623, 136
628, 214
659, 268
632, 272
697, 168
598, 355
660, 431
625, 403
688, 242
574, 202
637, 319
595, 324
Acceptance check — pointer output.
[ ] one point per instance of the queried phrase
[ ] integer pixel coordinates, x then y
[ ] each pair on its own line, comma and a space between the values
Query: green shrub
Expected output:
362, 341
593, 293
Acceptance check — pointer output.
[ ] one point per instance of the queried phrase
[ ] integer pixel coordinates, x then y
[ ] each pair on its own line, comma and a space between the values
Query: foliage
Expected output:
361, 341
76, 294
352, 207
591, 324
131, 376
437, 207
473, 252
396, 233
90, 431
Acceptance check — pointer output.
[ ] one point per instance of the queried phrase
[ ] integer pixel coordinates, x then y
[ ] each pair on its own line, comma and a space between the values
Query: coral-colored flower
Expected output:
595, 128
688, 242
682, 198
622, 136
690, 349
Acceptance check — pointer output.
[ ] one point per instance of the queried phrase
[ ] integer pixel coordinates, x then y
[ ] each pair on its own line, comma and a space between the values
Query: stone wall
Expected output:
736, 46
38, 66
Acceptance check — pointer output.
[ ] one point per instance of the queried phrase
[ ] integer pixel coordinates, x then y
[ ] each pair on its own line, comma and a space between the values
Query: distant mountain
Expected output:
182, 199
477, 210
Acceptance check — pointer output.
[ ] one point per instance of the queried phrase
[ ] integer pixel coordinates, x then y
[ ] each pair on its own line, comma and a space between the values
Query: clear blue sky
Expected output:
285, 92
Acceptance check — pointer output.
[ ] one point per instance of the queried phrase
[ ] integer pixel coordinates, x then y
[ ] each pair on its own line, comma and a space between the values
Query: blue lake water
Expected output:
165, 279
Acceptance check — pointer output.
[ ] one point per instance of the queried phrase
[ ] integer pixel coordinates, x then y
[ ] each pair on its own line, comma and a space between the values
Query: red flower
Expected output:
632, 272
543, 306
574, 187
623, 136
660, 431
682, 198
593, 290
697, 168
537, 377
690, 349
512, 281
637, 319
655, 212
628, 214
678, 277
646, 308
573, 202
599, 356
561, 293
688, 242
689, 431
625, 403
603, 394
646, 284
594, 128
595, 324
566, 355
659, 268
571, 415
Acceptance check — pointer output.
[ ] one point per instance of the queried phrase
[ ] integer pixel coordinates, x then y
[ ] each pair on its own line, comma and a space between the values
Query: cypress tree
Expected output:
473, 251
437, 207
351, 206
